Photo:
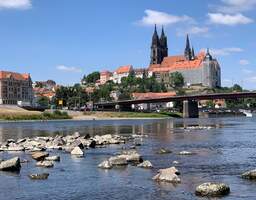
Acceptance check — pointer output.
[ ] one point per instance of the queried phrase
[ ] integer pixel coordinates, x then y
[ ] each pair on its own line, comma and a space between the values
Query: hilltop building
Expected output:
122, 72
15, 87
201, 69
197, 69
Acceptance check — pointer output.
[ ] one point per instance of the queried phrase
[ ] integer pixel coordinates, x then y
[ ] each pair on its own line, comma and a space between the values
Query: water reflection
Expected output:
163, 128
222, 153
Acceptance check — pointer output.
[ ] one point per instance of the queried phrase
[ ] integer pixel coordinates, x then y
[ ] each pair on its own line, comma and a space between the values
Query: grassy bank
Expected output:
34, 116
131, 115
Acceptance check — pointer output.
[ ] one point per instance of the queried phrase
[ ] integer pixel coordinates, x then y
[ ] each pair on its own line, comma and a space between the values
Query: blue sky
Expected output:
65, 39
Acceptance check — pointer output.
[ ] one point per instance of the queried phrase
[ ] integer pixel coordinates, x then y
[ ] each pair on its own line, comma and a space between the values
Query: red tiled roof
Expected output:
17, 76
104, 73
173, 63
151, 95
124, 69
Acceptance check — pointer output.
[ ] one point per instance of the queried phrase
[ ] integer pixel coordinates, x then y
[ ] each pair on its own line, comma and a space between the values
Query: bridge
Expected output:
190, 102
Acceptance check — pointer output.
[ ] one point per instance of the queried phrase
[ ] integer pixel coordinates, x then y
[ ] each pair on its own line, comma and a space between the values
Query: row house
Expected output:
15, 87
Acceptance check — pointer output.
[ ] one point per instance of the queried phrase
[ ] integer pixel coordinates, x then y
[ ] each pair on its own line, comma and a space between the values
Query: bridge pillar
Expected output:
190, 109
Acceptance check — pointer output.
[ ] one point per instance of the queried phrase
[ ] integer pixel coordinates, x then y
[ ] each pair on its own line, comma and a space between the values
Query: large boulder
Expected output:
105, 165
77, 152
212, 189
38, 176
168, 175
118, 160
46, 164
10, 165
146, 164
131, 156
39, 155
250, 175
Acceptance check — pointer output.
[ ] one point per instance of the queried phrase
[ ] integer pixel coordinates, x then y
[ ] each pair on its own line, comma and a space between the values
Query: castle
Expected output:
201, 69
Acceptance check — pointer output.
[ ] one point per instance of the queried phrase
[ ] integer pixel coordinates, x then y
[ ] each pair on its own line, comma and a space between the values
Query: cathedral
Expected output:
201, 69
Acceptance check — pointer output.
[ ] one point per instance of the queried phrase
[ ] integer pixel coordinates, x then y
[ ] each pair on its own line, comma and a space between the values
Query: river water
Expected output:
222, 154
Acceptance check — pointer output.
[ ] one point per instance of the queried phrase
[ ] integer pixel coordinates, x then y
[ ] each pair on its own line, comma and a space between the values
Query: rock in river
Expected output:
146, 164
118, 160
186, 153
10, 165
39, 176
105, 165
250, 174
77, 152
212, 189
39, 155
46, 164
53, 158
168, 175
163, 151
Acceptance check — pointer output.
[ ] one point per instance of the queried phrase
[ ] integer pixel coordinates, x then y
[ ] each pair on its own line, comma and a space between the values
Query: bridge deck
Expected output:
236, 95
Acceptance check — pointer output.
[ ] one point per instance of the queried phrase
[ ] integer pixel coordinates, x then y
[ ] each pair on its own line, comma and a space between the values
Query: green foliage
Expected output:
44, 116
71, 96
176, 80
237, 88
91, 78
43, 102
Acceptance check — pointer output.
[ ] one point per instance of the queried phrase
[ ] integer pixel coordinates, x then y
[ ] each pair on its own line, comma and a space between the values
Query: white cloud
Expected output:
251, 79
15, 4
247, 71
230, 20
194, 30
153, 17
226, 51
244, 62
235, 6
69, 69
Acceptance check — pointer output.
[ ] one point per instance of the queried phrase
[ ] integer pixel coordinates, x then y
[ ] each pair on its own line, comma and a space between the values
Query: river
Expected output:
222, 154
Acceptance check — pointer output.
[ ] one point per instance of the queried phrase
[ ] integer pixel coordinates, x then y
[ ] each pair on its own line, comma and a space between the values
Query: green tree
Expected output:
237, 88
176, 80
91, 78
43, 102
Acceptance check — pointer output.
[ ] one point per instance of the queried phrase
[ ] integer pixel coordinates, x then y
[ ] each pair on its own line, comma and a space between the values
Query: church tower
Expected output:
159, 48
188, 51
164, 45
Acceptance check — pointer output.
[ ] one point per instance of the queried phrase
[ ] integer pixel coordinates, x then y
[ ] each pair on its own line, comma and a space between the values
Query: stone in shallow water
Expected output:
77, 152
186, 153
15, 148
46, 164
39, 155
10, 165
118, 160
39, 176
53, 158
146, 164
168, 175
163, 151
212, 189
105, 165
250, 175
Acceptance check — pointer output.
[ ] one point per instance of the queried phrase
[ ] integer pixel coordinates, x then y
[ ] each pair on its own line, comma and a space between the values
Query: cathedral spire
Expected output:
193, 54
162, 34
159, 48
208, 56
188, 53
